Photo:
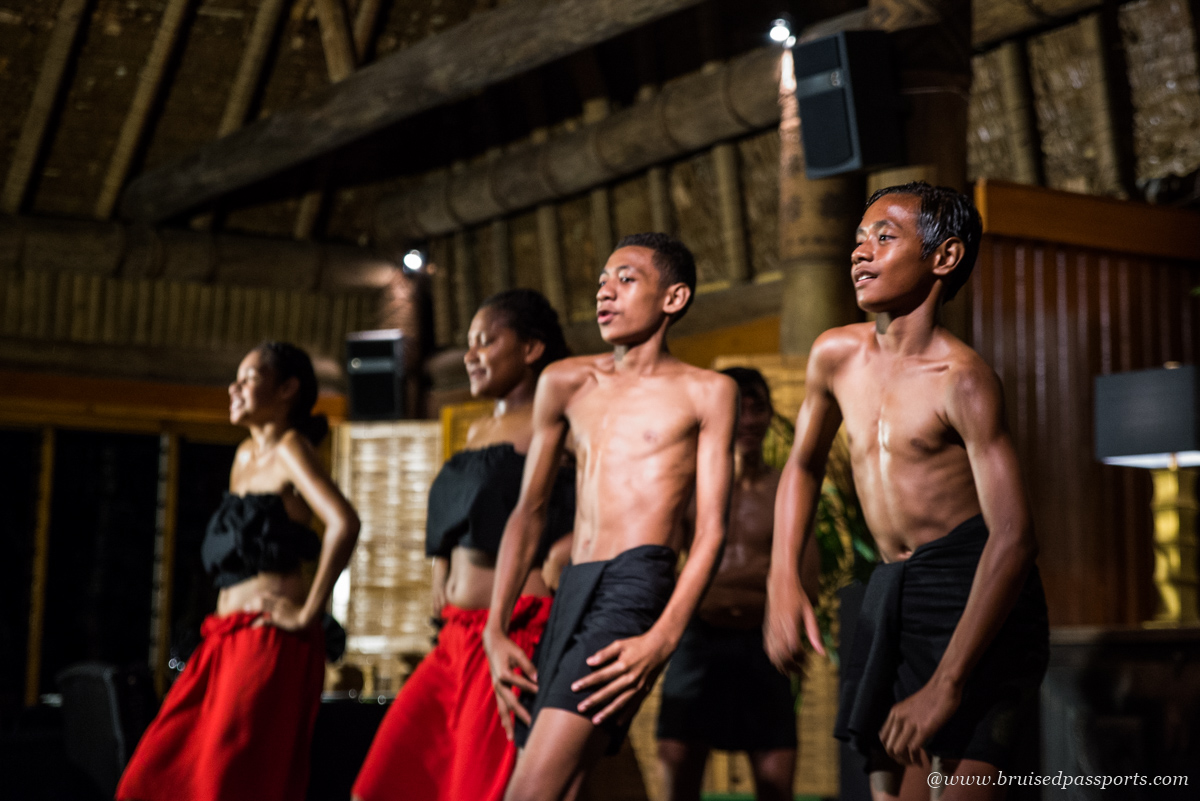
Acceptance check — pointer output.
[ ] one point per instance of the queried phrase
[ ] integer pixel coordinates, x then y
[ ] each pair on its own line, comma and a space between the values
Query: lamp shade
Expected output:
1145, 417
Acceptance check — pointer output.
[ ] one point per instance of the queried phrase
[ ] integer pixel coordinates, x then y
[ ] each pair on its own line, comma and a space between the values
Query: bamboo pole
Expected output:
41, 107
550, 251
733, 229
149, 84
250, 68
1019, 115
164, 558
41, 555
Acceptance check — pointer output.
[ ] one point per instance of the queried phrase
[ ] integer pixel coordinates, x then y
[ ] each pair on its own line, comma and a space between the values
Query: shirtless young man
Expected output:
952, 641
720, 690
648, 430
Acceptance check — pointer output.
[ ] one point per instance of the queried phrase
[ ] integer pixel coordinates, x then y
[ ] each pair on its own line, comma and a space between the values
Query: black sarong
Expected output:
908, 615
723, 691
597, 603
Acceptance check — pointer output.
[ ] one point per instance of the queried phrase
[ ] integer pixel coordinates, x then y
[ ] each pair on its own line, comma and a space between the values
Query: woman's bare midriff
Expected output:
234, 598
472, 573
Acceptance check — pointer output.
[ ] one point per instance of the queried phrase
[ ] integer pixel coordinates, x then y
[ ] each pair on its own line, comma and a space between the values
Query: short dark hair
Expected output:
285, 361
674, 261
944, 213
750, 380
531, 316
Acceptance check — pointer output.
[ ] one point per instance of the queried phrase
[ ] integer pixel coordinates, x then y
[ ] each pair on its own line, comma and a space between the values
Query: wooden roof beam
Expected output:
149, 85
45, 96
484, 50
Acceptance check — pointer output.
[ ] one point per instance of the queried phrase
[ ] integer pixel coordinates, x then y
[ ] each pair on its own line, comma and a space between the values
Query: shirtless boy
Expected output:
647, 430
952, 640
720, 690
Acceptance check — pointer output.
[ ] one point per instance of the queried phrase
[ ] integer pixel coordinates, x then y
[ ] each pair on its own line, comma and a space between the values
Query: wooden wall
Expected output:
1049, 317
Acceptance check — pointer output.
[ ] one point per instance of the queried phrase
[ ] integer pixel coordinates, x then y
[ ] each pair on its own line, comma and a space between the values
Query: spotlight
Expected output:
781, 32
414, 260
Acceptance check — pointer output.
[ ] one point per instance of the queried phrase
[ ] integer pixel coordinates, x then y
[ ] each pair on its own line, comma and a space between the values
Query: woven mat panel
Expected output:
1160, 51
385, 470
989, 142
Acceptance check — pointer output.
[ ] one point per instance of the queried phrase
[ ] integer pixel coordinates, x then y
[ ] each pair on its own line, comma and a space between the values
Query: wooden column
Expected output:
501, 255
816, 234
41, 555
466, 293
661, 216
1019, 115
164, 559
45, 97
149, 83
443, 291
733, 229
550, 251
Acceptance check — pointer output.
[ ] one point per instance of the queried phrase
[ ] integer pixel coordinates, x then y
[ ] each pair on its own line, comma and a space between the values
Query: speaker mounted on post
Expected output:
375, 375
850, 109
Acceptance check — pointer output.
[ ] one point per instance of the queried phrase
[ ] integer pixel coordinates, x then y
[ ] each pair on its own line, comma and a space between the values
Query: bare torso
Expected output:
472, 571
912, 472
635, 448
737, 596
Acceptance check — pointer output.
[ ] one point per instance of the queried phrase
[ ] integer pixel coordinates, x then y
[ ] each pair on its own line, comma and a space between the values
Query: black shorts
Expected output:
722, 690
909, 613
597, 603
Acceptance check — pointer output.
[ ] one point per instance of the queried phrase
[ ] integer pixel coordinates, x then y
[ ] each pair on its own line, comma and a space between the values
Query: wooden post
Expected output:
249, 72
164, 559
1019, 116
45, 97
466, 293
816, 234
501, 255
550, 251
443, 299
41, 555
365, 18
661, 216
733, 230
149, 83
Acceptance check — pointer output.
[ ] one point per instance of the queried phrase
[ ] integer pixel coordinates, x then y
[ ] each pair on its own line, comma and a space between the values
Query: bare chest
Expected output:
895, 415
631, 421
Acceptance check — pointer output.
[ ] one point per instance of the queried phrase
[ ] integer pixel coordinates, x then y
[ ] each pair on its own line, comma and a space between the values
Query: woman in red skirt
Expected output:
238, 722
442, 739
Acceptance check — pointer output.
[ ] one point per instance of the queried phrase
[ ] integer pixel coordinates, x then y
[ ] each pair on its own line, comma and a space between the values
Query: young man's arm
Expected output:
975, 409
633, 664
789, 609
518, 545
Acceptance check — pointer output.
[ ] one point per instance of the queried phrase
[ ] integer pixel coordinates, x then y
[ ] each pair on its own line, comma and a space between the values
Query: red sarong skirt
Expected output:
238, 722
442, 739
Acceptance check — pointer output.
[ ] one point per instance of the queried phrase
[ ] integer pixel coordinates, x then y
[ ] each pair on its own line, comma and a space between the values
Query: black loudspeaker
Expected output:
375, 375
850, 109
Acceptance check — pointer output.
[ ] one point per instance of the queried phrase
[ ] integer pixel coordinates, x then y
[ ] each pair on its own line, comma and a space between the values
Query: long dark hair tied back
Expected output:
285, 360
531, 316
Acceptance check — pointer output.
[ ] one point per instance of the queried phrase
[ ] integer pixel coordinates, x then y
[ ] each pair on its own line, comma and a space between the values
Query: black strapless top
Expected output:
251, 534
476, 491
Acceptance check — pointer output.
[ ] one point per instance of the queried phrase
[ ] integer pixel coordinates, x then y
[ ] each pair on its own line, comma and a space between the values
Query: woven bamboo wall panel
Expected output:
758, 157
386, 470
81, 307
693, 190
989, 153
1160, 49
526, 252
1068, 88
631, 207
580, 262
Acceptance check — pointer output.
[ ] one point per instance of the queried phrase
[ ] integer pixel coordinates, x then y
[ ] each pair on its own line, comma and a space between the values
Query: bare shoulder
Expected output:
560, 380
837, 345
711, 390
295, 446
970, 376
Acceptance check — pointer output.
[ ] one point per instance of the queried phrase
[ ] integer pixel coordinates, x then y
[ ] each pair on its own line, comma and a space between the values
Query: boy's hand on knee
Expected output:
510, 668
913, 721
632, 666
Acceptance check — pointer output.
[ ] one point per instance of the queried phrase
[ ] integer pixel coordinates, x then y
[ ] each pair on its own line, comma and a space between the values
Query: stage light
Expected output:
414, 260
781, 32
